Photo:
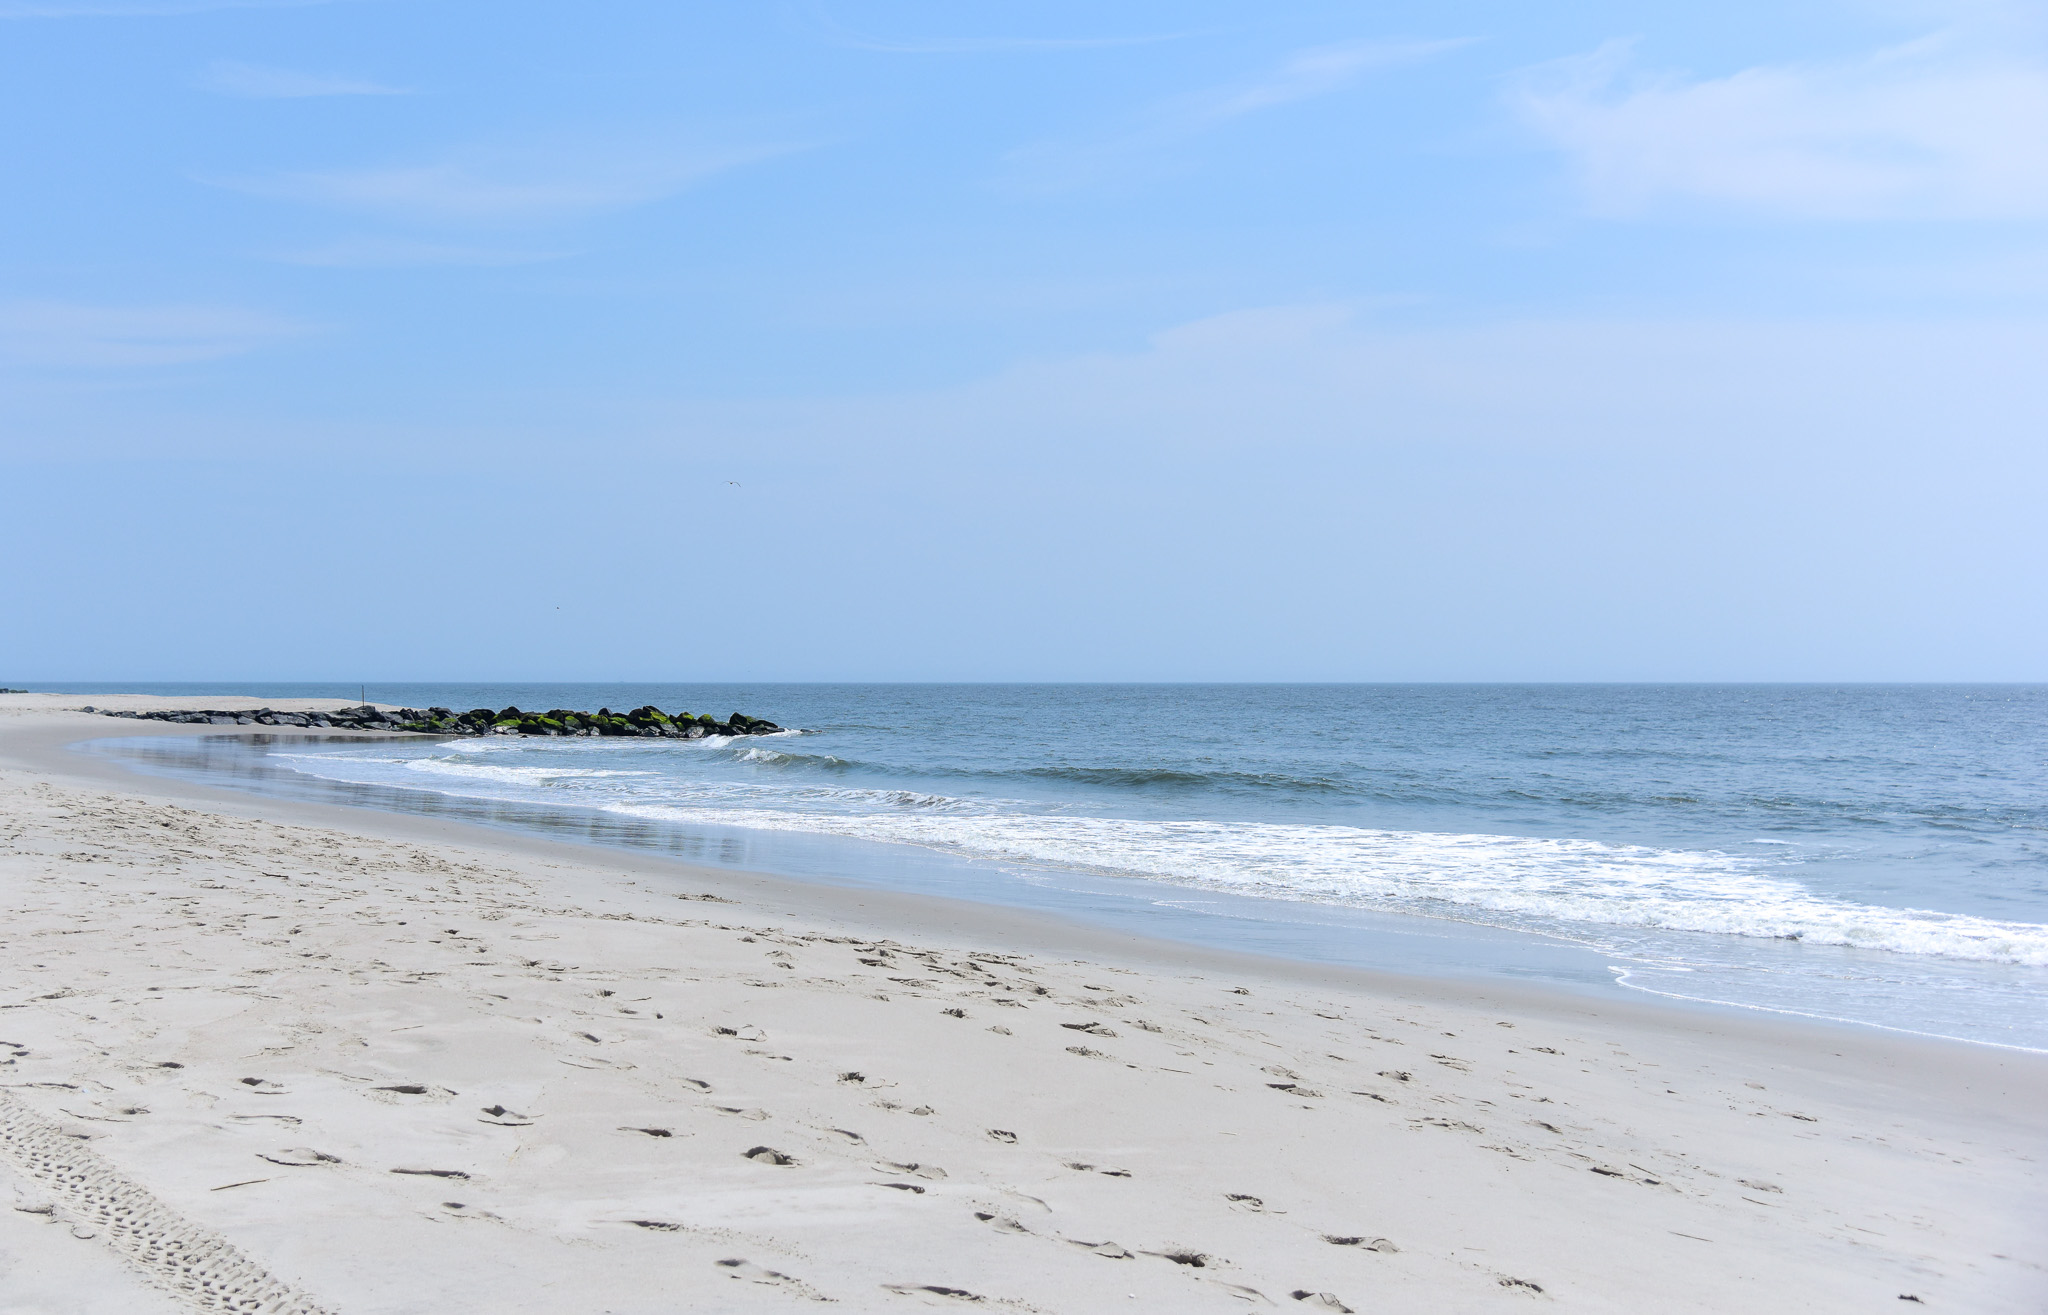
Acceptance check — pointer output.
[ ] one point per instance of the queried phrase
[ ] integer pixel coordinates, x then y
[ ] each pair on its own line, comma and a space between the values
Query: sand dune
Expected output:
334, 1061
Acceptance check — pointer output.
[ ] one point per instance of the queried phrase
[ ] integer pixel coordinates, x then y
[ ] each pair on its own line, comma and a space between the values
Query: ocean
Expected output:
1875, 855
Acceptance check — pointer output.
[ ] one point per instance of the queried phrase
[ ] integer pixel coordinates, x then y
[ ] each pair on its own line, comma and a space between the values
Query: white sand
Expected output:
394, 1065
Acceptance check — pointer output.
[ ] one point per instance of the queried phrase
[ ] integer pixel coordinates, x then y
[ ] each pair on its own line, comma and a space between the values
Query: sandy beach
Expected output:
295, 1058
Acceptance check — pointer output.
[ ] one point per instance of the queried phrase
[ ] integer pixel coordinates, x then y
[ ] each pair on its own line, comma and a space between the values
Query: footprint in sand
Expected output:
752, 1273
462, 1211
264, 1087
298, 1157
1296, 1089
931, 1171
651, 1132
1080, 1167
1001, 1223
737, 1112
747, 1032
1361, 1242
769, 1155
1107, 1250
930, 1290
1319, 1300
505, 1118
401, 1093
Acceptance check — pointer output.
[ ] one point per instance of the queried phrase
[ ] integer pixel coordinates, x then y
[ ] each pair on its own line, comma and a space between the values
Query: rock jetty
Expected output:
647, 722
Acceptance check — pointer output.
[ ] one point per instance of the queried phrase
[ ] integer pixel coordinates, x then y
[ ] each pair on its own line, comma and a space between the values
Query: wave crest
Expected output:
1529, 882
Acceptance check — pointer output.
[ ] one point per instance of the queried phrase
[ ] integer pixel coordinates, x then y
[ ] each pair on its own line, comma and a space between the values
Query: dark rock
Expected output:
648, 722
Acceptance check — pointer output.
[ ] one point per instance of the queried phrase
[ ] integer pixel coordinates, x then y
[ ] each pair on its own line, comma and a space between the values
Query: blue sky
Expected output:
395, 339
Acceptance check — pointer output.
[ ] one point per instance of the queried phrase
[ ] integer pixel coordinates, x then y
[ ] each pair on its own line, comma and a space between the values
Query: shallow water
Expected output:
1866, 853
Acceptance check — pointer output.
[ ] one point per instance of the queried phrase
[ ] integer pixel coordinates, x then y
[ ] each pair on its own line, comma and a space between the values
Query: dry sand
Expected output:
318, 1059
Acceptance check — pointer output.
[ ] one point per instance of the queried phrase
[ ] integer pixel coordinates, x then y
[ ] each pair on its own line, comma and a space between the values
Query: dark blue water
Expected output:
1872, 853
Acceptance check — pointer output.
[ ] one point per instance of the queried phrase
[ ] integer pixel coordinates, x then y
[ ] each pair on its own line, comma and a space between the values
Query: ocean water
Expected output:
1870, 854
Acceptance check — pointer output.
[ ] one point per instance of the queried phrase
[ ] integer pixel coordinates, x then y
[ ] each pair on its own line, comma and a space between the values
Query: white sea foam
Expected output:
1521, 880
514, 775
1533, 883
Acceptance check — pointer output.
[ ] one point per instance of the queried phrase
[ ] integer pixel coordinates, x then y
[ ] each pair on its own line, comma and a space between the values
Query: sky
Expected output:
430, 339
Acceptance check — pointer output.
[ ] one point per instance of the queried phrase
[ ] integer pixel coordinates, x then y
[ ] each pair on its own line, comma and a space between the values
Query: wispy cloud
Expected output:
510, 186
258, 82
1943, 128
52, 333
1304, 75
813, 21
137, 8
399, 253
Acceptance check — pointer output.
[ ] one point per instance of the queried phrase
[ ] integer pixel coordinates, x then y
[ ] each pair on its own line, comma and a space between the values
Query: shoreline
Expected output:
1401, 944
49, 751
1448, 1159
1065, 926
